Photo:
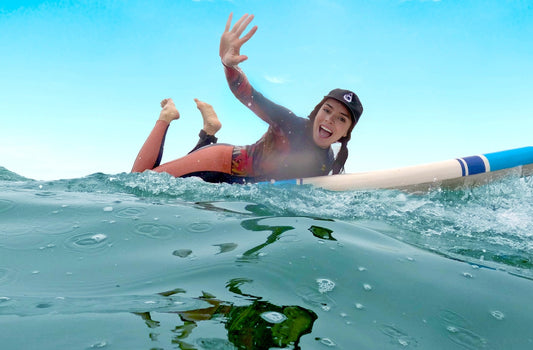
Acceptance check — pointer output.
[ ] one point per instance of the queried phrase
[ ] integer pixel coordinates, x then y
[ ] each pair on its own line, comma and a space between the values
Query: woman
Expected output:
292, 147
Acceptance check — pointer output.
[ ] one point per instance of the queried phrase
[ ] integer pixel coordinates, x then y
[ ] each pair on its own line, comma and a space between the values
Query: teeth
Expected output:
324, 128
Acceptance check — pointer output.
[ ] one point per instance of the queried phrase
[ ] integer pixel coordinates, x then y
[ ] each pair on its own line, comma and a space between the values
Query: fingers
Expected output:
228, 23
249, 35
242, 23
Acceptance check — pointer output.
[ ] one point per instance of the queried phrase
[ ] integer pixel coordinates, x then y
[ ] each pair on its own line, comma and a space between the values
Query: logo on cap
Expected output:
348, 97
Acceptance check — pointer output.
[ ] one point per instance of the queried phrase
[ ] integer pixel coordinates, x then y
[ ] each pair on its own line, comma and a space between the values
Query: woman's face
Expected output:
332, 122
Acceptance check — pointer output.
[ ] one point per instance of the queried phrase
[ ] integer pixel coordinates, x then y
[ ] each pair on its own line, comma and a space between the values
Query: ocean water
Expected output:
147, 261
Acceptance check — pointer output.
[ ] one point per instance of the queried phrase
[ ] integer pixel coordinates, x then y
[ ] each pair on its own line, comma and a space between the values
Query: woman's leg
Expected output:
211, 125
214, 158
151, 152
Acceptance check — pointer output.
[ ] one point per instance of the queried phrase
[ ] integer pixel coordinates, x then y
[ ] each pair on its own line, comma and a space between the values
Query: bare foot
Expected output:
211, 122
169, 111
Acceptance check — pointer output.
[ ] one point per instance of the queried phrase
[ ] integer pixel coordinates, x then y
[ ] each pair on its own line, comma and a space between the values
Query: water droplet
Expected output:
359, 306
99, 345
99, 237
497, 315
199, 227
326, 341
325, 285
273, 317
131, 213
465, 338
153, 230
182, 253
361, 268
468, 275
398, 335
367, 287
87, 242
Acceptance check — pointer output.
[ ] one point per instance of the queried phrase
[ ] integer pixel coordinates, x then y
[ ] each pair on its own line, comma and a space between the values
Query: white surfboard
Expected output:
466, 171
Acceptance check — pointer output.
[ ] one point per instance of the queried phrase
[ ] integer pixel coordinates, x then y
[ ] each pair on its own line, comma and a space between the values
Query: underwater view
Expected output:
148, 261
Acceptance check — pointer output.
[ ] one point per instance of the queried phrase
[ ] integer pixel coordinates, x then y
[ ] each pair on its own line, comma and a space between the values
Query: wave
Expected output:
290, 266
493, 222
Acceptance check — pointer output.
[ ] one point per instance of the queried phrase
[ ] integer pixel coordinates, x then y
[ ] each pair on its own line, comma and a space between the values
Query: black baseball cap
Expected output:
350, 100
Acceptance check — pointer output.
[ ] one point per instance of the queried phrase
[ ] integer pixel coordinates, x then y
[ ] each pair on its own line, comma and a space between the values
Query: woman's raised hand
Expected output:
231, 42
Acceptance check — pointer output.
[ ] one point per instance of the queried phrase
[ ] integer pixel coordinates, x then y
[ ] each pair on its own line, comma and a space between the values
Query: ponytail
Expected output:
342, 155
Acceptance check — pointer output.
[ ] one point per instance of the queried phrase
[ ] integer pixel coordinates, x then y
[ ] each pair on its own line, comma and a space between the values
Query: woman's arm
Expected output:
230, 46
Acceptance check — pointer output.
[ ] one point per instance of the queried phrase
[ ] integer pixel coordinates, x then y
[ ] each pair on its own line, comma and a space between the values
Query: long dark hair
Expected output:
342, 155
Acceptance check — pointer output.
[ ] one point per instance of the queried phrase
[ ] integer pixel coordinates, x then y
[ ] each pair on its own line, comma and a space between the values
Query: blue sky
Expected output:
82, 80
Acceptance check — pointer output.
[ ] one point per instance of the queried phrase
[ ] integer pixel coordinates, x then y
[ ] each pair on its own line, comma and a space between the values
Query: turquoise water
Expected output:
146, 261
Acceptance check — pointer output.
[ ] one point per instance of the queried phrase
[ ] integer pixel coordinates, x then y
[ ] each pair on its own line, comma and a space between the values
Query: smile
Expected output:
324, 132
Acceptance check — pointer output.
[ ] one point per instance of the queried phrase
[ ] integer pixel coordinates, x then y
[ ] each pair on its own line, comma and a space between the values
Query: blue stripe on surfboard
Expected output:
463, 166
510, 158
475, 165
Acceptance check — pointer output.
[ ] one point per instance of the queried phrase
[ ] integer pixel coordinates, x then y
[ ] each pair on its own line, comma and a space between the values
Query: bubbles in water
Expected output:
182, 253
5, 301
497, 315
99, 237
326, 341
468, 275
367, 287
199, 227
87, 242
359, 306
131, 212
398, 336
154, 230
465, 338
99, 345
325, 285
273, 317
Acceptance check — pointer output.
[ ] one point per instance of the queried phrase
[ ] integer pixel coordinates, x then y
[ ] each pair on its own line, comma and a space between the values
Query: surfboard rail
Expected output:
453, 173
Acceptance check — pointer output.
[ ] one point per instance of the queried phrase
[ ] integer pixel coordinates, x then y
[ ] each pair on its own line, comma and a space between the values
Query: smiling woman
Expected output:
292, 147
